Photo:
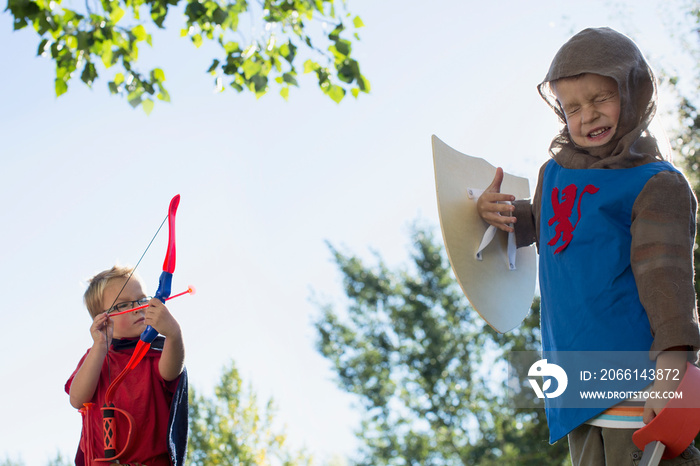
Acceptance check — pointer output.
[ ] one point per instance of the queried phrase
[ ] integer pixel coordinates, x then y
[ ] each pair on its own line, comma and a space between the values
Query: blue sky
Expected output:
85, 181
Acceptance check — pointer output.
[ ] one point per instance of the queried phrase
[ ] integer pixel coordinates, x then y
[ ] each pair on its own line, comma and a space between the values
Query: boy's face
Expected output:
131, 324
591, 103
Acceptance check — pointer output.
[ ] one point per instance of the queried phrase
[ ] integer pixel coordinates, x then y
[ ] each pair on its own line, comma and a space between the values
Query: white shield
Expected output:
499, 290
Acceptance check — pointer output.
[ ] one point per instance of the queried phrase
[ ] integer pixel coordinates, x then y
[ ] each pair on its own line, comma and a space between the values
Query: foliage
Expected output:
59, 460
231, 429
685, 138
110, 32
687, 143
8, 462
423, 364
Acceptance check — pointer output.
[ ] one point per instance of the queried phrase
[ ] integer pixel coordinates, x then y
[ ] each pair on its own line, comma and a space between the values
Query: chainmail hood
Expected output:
606, 52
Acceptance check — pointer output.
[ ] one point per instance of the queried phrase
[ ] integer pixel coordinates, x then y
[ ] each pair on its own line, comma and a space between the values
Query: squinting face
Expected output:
591, 103
131, 324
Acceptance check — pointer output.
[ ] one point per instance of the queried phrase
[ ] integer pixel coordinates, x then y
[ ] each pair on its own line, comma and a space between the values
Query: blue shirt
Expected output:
590, 300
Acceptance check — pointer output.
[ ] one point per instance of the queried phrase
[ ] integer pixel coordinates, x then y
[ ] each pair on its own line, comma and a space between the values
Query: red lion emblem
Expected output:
562, 214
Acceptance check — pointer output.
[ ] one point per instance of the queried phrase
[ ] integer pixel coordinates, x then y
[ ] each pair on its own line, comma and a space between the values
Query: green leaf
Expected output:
158, 13
54, 50
68, 15
61, 87
284, 92
251, 68
194, 11
277, 64
259, 84
140, 33
72, 42
134, 98
214, 65
336, 93
148, 87
309, 66
147, 106
197, 40
290, 79
42, 47
357, 22
231, 47
292, 52
83, 42
364, 84
219, 16
118, 78
158, 75
335, 34
116, 15
107, 54
89, 74
163, 95
343, 47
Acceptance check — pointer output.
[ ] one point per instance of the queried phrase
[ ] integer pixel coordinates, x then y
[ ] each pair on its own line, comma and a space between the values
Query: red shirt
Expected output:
145, 395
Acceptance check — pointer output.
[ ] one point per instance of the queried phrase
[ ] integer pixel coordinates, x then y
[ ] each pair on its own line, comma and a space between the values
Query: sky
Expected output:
265, 183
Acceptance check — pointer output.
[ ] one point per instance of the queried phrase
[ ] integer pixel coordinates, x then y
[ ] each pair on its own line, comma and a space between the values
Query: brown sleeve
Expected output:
527, 225
663, 238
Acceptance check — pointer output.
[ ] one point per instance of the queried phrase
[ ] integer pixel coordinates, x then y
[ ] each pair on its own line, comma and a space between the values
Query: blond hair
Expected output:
95, 291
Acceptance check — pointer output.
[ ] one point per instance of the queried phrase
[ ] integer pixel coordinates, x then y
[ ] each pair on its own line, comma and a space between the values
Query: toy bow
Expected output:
143, 345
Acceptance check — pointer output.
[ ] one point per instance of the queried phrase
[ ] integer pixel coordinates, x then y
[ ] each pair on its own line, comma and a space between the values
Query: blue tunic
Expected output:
590, 300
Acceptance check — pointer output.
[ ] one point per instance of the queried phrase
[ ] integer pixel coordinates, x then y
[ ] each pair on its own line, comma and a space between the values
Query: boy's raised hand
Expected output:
172, 360
159, 317
102, 329
491, 208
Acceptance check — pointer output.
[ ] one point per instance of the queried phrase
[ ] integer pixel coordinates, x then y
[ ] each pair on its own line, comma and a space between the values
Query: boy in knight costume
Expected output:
614, 223
154, 393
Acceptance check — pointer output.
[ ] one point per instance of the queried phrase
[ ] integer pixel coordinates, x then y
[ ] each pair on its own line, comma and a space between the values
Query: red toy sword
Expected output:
675, 427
